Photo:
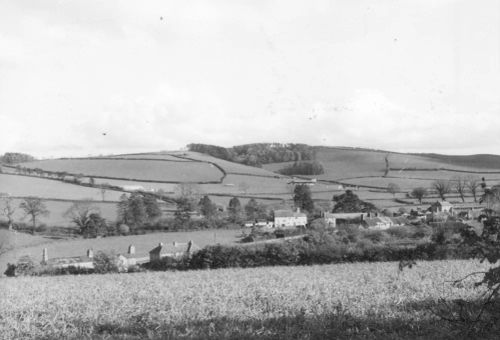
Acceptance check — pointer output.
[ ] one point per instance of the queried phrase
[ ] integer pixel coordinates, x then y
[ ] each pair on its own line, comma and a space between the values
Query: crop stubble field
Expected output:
362, 300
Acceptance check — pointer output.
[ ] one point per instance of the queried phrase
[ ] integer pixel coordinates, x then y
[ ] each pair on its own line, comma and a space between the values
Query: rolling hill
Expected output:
362, 170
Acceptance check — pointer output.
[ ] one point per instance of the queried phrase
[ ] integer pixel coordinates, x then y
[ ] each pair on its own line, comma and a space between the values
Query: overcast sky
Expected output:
95, 77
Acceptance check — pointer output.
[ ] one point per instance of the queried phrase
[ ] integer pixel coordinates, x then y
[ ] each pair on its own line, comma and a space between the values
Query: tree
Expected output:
152, 208
459, 184
442, 187
473, 185
207, 208
419, 193
349, 202
235, 210
8, 209
185, 207
132, 210
303, 198
87, 218
34, 208
393, 188
387, 167
254, 210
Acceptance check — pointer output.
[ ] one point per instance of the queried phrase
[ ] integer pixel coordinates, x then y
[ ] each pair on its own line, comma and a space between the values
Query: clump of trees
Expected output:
303, 168
302, 198
349, 202
16, 157
258, 153
88, 219
137, 209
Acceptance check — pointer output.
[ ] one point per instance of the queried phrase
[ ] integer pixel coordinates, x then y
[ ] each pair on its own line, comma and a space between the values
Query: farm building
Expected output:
174, 250
288, 218
468, 210
297, 181
330, 220
442, 207
86, 261
133, 188
383, 222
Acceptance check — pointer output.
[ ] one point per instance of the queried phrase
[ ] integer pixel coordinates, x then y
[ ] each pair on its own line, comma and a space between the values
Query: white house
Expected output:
289, 219
442, 207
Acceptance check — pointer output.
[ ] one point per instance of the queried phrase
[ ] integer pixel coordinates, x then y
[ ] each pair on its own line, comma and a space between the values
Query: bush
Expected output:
107, 263
123, 229
400, 232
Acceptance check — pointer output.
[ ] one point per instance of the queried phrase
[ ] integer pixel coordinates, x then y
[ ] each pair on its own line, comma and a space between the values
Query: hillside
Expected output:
361, 170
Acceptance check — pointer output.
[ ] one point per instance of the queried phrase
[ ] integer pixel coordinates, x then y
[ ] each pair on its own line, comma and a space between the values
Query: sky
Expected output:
88, 77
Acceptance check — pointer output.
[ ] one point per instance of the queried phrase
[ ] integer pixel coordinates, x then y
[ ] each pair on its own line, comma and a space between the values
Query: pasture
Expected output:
22, 186
355, 301
145, 170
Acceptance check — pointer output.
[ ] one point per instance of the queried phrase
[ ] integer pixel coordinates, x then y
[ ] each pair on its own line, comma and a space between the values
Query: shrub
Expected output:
124, 229
400, 232
107, 263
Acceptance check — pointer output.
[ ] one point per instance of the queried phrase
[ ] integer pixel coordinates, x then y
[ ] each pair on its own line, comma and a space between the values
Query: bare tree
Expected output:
8, 209
473, 185
33, 207
103, 193
188, 190
419, 193
442, 187
393, 188
459, 183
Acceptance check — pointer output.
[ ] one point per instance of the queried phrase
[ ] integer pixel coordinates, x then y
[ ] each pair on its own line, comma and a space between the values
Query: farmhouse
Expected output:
441, 207
289, 219
86, 261
467, 210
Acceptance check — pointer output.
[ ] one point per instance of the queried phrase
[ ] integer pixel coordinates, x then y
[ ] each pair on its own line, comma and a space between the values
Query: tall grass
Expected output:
332, 301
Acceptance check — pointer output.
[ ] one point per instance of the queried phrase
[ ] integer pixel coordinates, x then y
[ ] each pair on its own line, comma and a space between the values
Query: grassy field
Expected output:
22, 186
151, 170
119, 244
346, 301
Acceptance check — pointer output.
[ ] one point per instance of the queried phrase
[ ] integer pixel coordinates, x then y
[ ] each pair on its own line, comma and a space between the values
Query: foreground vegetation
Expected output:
373, 300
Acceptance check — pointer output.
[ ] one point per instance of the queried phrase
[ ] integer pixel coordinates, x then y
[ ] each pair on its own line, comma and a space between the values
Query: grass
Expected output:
142, 243
355, 301
21, 186
148, 170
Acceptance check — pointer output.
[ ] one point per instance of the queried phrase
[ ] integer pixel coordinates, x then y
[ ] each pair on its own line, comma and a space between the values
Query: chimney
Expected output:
298, 210
45, 256
131, 249
90, 253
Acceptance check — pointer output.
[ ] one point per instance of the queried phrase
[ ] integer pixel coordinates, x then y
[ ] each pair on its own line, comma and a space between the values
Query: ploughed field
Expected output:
362, 300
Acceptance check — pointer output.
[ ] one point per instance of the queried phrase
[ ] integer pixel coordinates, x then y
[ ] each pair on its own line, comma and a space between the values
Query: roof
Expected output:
288, 213
345, 216
468, 205
445, 204
375, 221
172, 248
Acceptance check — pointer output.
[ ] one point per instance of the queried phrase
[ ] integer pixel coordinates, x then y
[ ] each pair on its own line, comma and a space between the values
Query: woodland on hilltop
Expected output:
258, 153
